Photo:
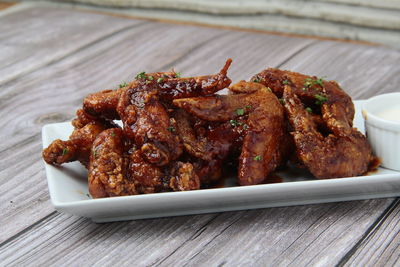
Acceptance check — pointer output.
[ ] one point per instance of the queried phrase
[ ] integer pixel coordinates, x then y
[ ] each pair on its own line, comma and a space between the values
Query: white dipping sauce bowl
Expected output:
383, 135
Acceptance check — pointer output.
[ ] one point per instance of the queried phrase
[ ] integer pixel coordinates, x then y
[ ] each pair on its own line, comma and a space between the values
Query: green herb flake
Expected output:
308, 109
320, 82
248, 107
150, 78
240, 111
160, 80
171, 129
94, 153
113, 134
122, 85
88, 195
282, 101
257, 158
256, 80
285, 82
320, 99
234, 123
308, 82
178, 74
141, 75
65, 151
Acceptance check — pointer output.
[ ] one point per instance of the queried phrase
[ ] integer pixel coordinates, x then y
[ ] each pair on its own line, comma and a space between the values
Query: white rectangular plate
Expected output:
69, 191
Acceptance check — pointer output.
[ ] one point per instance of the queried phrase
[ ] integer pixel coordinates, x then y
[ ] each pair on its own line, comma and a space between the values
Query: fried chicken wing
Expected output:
312, 91
83, 118
336, 155
260, 151
147, 177
146, 120
108, 166
78, 146
104, 103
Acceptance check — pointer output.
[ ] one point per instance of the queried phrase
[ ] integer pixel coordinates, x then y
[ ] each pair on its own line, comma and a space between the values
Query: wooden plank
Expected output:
381, 246
298, 236
317, 235
34, 37
58, 90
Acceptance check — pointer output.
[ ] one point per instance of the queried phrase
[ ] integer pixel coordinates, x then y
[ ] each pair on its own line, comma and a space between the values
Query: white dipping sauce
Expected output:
391, 114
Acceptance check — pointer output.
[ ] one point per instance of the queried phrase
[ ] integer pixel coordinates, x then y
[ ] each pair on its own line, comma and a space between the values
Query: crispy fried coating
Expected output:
145, 117
260, 151
78, 146
83, 118
312, 91
183, 177
104, 103
108, 166
336, 155
147, 177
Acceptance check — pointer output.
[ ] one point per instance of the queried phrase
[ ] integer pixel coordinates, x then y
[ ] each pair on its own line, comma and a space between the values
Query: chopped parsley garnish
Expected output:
320, 82
150, 78
171, 129
320, 99
160, 80
308, 82
248, 107
240, 111
234, 123
65, 151
285, 82
94, 153
124, 84
282, 101
308, 109
112, 134
256, 80
141, 75
257, 158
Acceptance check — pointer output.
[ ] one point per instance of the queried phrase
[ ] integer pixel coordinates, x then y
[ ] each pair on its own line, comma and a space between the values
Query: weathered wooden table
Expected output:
50, 58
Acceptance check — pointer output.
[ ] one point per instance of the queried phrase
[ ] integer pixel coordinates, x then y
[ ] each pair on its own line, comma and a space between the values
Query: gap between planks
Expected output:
371, 230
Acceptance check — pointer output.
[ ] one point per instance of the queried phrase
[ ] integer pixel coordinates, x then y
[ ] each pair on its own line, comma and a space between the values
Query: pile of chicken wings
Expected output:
180, 134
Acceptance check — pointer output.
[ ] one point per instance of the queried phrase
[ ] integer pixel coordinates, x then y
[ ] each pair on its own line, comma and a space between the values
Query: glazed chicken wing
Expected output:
336, 155
78, 146
145, 117
313, 91
260, 151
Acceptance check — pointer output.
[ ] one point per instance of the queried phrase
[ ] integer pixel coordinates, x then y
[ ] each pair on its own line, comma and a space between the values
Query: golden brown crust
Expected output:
78, 146
265, 122
108, 166
333, 156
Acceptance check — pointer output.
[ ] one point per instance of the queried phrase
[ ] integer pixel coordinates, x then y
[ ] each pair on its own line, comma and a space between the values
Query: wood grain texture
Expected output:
382, 246
35, 37
298, 236
33, 233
